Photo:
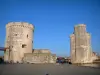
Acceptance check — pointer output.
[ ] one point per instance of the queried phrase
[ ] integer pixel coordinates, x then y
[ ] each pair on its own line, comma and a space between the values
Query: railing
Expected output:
3, 48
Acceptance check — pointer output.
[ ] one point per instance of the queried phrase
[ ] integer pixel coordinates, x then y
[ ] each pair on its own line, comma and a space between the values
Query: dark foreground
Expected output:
43, 69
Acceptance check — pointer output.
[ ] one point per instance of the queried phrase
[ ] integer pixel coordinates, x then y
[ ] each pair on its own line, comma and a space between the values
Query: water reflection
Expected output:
91, 65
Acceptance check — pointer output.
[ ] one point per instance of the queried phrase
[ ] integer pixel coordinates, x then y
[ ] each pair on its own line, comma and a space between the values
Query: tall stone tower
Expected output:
19, 39
80, 45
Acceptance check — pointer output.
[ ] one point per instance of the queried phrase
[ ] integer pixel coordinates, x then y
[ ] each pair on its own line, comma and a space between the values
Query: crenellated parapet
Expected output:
80, 25
20, 24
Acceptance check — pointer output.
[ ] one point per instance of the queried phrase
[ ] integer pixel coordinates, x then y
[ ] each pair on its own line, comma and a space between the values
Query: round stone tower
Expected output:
19, 39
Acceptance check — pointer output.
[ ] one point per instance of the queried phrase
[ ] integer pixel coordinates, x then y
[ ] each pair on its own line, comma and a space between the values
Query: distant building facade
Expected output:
94, 56
80, 45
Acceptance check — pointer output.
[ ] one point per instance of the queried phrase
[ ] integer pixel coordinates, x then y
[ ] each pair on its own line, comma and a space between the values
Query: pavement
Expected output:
46, 69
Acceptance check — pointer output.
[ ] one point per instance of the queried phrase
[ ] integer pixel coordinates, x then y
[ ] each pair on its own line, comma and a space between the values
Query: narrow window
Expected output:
27, 35
24, 45
15, 34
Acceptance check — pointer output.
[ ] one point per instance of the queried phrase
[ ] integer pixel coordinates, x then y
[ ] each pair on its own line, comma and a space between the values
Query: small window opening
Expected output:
27, 35
15, 34
24, 45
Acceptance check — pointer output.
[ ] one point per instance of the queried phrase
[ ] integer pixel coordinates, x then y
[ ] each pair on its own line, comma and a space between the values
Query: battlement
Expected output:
80, 25
20, 24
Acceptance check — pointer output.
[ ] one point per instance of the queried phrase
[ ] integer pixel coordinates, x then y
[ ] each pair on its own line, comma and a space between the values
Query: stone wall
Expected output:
39, 57
41, 51
72, 48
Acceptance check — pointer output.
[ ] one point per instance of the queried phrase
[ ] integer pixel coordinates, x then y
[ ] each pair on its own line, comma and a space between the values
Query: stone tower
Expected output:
19, 39
72, 47
80, 45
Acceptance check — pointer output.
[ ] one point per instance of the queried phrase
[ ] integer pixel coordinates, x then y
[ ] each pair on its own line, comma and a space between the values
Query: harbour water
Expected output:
95, 65
43, 69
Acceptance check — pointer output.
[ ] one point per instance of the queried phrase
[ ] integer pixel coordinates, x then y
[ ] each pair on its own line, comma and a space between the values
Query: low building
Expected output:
94, 56
39, 56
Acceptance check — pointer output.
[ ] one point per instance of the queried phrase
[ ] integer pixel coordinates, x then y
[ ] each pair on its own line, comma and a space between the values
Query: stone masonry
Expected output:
19, 38
39, 56
80, 45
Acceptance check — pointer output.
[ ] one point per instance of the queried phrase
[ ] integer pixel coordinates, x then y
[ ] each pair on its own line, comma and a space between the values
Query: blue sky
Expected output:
54, 21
